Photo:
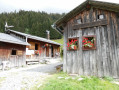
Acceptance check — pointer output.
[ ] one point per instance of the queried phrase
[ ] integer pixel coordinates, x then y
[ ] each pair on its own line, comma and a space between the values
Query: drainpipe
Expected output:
57, 28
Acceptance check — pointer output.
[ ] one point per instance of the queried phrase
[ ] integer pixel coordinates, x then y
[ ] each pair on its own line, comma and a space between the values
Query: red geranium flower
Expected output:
72, 40
72, 44
74, 47
89, 41
83, 41
86, 38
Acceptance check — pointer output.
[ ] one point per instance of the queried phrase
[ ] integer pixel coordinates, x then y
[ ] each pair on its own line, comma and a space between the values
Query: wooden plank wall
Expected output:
56, 49
15, 60
45, 51
104, 61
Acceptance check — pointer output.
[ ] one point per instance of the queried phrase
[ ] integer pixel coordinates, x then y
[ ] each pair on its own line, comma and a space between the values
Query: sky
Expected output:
49, 6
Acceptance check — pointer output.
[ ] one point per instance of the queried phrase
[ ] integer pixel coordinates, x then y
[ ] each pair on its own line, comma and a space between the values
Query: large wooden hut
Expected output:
39, 47
18, 48
91, 39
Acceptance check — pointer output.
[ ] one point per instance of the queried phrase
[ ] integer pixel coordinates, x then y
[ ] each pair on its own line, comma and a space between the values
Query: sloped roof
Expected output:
35, 37
96, 4
10, 39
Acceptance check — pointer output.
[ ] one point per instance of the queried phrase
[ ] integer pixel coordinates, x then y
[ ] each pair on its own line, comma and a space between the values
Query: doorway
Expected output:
52, 53
36, 46
47, 51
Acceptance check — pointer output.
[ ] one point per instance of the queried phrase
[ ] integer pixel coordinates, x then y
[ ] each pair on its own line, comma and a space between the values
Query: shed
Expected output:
91, 39
12, 50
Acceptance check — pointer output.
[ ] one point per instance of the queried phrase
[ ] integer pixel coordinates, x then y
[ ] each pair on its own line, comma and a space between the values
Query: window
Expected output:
79, 21
72, 44
101, 16
36, 46
14, 52
89, 42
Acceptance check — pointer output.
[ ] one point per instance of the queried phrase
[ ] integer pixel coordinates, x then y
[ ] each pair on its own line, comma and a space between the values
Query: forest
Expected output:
31, 22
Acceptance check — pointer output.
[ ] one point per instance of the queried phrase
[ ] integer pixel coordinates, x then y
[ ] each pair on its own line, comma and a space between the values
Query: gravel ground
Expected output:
25, 78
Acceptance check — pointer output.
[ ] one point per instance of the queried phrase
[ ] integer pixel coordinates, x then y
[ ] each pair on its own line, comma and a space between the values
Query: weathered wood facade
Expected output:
17, 48
42, 50
102, 61
13, 53
39, 47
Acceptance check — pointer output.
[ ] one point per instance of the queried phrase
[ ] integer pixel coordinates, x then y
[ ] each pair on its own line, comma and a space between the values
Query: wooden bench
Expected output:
32, 61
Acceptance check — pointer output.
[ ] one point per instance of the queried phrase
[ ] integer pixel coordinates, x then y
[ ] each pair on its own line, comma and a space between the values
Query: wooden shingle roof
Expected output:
96, 4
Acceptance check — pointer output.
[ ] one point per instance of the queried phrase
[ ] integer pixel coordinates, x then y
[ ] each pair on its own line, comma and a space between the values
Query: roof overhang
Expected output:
25, 44
95, 4
28, 36
9, 39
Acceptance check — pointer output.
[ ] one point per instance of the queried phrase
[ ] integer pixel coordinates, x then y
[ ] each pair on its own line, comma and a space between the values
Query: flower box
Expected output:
89, 42
72, 44
46, 45
36, 52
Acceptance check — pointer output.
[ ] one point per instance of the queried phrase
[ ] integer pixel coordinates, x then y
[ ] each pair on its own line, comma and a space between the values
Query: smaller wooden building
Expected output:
12, 50
91, 39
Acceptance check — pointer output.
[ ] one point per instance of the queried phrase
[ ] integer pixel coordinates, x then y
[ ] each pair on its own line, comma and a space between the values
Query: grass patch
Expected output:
2, 79
108, 78
61, 41
92, 83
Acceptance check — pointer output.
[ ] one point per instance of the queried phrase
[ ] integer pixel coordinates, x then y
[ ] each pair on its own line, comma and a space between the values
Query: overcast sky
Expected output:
50, 6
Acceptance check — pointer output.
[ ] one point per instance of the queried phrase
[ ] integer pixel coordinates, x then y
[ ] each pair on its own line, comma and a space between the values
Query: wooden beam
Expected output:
91, 24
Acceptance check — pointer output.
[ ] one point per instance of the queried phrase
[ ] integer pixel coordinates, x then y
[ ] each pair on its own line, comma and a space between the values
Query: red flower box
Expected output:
89, 42
46, 45
72, 44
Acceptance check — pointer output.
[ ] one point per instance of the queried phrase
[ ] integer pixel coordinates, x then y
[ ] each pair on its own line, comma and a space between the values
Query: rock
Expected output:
43, 61
73, 74
60, 77
59, 67
116, 83
73, 78
39, 85
67, 78
80, 79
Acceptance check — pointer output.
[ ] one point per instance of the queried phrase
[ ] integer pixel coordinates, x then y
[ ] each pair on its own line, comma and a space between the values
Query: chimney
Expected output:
48, 34
6, 27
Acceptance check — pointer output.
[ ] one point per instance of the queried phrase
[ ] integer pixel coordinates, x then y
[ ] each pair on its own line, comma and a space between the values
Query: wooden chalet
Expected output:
12, 50
17, 48
39, 47
91, 39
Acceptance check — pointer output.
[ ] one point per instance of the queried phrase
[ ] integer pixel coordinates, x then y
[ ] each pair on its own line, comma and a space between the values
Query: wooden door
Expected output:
47, 51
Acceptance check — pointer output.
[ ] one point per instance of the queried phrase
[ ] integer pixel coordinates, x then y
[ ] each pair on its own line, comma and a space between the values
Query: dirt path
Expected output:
25, 78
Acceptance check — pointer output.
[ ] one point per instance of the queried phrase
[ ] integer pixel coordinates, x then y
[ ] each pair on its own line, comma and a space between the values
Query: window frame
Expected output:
98, 17
77, 43
80, 20
12, 52
89, 48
